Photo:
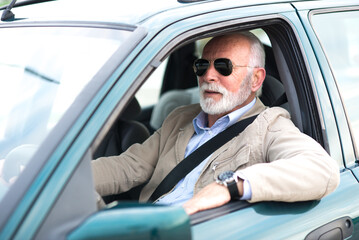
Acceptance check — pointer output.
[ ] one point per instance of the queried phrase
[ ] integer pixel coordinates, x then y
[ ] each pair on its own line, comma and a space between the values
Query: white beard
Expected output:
229, 100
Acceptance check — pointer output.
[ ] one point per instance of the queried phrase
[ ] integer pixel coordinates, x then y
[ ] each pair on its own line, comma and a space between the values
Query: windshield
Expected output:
42, 71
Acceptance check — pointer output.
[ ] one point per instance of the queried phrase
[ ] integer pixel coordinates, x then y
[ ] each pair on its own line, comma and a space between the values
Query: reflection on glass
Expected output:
43, 70
339, 37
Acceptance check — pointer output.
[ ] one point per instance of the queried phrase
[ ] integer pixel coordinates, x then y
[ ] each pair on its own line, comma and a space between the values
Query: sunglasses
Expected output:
222, 65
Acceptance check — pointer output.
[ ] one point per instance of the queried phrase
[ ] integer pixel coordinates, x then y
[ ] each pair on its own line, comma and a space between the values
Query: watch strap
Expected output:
233, 190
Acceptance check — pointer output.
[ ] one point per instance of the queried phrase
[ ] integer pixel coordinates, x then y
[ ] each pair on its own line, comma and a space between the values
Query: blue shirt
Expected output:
183, 191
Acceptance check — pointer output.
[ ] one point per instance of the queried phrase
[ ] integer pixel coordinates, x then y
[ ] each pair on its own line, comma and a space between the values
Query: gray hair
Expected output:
257, 58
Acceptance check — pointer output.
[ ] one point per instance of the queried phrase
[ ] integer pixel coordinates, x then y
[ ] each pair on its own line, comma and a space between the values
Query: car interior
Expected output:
179, 87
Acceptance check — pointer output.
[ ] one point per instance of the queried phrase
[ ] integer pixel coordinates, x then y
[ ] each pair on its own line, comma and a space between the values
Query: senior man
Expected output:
271, 160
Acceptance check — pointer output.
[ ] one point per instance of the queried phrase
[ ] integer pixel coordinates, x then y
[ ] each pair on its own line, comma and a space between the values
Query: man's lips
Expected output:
211, 92
212, 95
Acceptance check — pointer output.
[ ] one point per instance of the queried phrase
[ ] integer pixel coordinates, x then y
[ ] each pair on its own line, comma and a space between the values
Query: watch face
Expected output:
225, 176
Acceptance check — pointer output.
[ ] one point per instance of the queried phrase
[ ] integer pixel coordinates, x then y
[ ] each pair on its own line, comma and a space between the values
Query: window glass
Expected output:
339, 37
42, 71
149, 93
4, 2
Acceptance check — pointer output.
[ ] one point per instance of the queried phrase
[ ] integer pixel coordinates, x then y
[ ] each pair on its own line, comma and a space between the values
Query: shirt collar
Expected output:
200, 122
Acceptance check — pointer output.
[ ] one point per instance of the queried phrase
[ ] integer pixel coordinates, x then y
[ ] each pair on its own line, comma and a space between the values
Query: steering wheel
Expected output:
15, 161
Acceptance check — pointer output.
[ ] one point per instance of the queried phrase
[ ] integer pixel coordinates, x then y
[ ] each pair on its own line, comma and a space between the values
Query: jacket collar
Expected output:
255, 110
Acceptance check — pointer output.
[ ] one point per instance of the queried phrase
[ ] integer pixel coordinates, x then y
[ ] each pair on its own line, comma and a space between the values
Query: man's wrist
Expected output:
246, 193
232, 182
240, 186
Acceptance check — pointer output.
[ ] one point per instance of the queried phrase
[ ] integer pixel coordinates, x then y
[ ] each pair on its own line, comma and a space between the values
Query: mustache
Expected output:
213, 87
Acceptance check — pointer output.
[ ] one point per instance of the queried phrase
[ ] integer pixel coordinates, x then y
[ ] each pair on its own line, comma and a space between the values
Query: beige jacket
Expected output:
281, 163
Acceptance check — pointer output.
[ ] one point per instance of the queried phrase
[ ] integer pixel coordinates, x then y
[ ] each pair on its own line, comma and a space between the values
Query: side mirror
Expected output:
135, 221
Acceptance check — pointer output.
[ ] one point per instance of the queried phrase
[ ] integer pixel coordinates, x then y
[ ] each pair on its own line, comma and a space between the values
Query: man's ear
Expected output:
258, 77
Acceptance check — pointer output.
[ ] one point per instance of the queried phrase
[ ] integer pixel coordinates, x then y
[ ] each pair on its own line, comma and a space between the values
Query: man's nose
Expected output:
211, 74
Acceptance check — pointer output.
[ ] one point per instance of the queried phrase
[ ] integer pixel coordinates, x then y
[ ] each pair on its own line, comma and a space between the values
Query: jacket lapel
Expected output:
183, 138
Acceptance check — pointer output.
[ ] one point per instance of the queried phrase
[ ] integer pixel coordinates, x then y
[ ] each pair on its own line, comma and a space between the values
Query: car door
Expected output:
310, 105
308, 97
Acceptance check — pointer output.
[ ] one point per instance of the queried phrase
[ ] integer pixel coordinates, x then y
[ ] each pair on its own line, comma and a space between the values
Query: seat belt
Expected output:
196, 157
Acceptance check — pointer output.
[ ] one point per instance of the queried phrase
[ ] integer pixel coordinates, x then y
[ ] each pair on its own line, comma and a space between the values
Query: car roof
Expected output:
129, 12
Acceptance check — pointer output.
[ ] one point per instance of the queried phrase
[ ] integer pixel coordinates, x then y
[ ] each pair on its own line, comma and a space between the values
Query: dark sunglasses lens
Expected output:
223, 66
201, 66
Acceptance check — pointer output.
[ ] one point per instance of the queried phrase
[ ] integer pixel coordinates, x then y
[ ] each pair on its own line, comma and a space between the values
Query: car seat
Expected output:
125, 132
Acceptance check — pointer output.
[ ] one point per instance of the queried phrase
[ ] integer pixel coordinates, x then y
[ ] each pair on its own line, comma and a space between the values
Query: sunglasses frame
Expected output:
228, 62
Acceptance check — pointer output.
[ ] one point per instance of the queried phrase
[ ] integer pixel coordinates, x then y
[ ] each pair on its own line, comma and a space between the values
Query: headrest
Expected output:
272, 89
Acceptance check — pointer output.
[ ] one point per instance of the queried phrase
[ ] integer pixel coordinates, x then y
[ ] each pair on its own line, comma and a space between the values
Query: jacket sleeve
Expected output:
297, 168
117, 174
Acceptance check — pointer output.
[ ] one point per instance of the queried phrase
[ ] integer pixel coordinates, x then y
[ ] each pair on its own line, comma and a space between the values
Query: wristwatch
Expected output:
229, 179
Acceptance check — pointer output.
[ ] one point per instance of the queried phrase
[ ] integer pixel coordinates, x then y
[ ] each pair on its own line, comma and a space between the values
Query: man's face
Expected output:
222, 94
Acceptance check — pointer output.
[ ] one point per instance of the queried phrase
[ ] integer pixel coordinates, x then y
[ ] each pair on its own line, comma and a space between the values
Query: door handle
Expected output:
340, 228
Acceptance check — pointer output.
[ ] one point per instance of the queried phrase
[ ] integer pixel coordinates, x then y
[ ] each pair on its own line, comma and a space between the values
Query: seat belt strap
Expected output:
196, 157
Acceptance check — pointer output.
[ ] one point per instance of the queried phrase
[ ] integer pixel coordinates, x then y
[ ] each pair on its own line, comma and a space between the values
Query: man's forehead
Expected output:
217, 50
226, 46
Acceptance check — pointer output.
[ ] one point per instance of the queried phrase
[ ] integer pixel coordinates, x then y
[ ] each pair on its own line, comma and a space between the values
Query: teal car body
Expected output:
115, 47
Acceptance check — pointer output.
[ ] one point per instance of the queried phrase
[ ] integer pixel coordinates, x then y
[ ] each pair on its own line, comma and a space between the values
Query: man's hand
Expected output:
211, 196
